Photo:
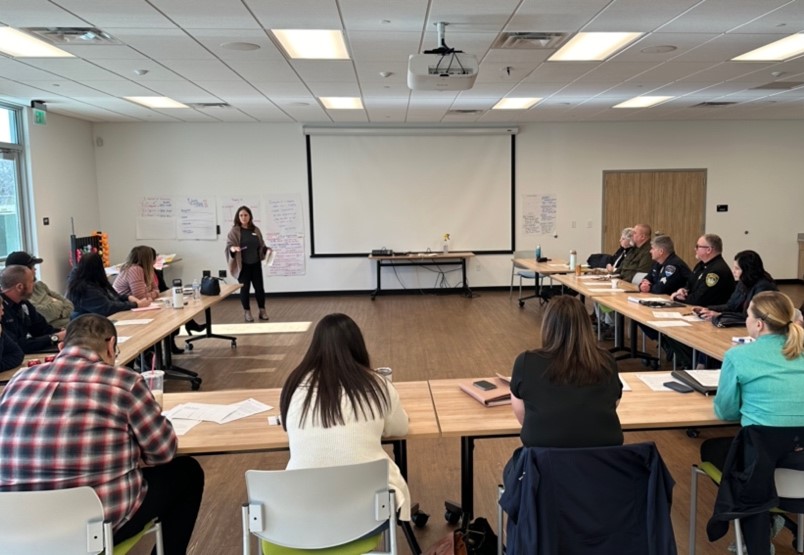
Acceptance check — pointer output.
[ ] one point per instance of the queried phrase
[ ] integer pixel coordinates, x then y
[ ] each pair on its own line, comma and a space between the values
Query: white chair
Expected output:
521, 271
64, 521
320, 508
789, 485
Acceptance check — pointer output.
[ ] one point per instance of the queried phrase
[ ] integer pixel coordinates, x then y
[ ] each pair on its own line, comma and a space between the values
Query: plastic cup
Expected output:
615, 283
386, 373
155, 380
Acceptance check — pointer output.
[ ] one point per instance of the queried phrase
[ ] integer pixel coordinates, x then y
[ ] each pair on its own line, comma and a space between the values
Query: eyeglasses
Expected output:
116, 346
702, 247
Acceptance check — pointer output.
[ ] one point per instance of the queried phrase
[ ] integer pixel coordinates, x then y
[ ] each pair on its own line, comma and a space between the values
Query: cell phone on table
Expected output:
484, 385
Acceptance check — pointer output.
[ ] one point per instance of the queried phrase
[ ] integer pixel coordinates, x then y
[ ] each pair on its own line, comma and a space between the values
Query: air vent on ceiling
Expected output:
464, 112
532, 40
713, 104
202, 105
778, 86
73, 35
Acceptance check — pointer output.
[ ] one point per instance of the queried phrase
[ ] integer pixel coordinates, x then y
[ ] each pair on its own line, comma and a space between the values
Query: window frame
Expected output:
19, 150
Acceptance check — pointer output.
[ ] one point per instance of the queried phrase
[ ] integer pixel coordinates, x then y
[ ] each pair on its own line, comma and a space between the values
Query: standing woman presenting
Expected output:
245, 249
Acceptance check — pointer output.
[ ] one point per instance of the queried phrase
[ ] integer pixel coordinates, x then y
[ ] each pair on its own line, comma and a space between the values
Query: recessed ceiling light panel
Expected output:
643, 101
593, 47
342, 102
783, 49
22, 45
312, 44
515, 103
156, 101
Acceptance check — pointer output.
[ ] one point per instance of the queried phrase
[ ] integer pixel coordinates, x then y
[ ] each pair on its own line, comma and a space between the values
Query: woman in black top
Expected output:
90, 291
245, 249
566, 393
749, 271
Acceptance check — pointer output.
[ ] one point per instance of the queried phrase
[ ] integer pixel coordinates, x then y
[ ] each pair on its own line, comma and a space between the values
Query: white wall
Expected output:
754, 167
62, 162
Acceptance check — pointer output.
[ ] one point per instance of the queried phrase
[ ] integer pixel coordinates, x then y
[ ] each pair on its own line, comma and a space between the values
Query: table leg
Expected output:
401, 456
467, 477
467, 292
379, 282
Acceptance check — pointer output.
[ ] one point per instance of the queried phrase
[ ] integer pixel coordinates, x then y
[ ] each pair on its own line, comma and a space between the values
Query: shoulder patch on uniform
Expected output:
669, 270
712, 279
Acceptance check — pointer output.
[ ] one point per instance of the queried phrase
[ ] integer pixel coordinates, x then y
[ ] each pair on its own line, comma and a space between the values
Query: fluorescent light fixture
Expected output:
593, 47
312, 44
643, 101
515, 103
782, 49
342, 102
22, 45
156, 101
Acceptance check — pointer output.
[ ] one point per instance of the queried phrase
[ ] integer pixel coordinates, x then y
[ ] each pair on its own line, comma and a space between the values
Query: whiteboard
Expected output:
405, 192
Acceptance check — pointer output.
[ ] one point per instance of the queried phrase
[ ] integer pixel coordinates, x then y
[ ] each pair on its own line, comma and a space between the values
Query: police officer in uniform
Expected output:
669, 272
711, 281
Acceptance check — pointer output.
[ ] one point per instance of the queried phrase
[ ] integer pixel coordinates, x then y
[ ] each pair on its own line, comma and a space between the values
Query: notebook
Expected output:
500, 395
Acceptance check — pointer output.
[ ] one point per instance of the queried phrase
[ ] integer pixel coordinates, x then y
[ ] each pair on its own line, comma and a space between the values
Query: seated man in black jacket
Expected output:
668, 273
20, 320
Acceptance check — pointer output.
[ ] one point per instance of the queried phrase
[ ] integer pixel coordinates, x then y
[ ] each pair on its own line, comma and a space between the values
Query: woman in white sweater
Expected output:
336, 409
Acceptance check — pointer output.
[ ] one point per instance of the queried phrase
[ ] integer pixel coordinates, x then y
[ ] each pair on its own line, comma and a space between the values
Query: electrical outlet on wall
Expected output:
221, 273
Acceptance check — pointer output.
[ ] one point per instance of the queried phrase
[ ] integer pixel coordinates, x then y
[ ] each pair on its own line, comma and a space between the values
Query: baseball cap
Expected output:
22, 259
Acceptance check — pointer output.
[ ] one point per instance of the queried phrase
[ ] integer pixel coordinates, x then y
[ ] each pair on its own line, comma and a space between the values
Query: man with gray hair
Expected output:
82, 420
711, 281
20, 320
668, 272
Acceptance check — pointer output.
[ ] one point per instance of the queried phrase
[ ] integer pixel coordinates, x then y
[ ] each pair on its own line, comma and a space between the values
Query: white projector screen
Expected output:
404, 192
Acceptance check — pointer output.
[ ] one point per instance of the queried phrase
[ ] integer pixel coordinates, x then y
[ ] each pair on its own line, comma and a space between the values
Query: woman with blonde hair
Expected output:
137, 277
565, 394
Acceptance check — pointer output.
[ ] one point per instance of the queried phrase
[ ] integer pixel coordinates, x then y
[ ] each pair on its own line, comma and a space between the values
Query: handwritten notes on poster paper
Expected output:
285, 234
156, 218
539, 214
197, 219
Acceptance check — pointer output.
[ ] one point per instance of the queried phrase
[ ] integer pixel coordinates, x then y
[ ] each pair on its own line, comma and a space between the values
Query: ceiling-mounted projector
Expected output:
442, 69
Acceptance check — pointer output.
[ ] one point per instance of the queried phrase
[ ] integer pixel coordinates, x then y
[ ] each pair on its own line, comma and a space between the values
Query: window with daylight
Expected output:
12, 154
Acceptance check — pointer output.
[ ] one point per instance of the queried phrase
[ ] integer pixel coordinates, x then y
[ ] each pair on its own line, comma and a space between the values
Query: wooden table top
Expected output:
422, 256
639, 409
165, 320
594, 286
556, 266
701, 335
254, 433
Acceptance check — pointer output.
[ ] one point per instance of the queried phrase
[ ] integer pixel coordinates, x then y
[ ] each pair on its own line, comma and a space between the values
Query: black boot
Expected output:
192, 326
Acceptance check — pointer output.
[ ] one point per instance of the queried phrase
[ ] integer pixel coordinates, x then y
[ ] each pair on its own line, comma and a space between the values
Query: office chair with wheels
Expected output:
789, 485
339, 509
65, 521
589, 500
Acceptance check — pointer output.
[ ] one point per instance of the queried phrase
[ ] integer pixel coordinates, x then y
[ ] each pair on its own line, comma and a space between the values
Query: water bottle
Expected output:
196, 291
572, 259
178, 294
538, 252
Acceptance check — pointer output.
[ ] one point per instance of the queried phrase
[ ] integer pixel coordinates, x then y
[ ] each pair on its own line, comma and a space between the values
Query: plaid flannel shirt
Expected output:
78, 421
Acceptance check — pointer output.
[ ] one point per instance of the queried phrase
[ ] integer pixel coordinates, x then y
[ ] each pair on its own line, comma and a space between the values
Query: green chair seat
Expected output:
357, 547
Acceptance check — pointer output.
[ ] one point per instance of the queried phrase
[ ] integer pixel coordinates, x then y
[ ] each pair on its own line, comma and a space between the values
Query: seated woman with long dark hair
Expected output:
751, 277
336, 409
90, 292
566, 393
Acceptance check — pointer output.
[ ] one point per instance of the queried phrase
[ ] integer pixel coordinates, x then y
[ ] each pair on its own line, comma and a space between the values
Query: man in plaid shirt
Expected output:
82, 421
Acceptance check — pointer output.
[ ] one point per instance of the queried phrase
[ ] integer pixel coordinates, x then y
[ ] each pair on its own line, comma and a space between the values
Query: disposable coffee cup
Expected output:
155, 380
386, 373
615, 283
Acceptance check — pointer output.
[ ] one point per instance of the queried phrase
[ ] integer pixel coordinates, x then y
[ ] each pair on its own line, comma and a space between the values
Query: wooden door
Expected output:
679, 201
672, 202
627, 200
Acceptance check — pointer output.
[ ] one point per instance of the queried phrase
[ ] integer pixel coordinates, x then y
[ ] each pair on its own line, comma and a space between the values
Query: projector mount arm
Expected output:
445, 50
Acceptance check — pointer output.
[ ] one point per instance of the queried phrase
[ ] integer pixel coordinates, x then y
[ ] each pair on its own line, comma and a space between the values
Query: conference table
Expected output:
640, 409
700, 335
423, 259
253, 433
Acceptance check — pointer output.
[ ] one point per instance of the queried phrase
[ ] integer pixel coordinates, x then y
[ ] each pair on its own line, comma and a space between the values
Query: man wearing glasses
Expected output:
711, 281
81, 420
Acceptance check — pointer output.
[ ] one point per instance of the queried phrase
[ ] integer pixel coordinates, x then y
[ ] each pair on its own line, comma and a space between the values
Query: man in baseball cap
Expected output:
54, 307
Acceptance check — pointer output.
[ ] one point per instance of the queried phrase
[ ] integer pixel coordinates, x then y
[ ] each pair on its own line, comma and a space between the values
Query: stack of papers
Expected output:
186, 416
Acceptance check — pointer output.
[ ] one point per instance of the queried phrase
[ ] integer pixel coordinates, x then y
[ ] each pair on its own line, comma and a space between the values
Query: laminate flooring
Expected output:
420, 337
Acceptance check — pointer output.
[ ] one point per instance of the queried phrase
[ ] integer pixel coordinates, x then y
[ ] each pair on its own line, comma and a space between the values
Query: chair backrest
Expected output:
318, 507
65, 521
589, 500
789, 483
